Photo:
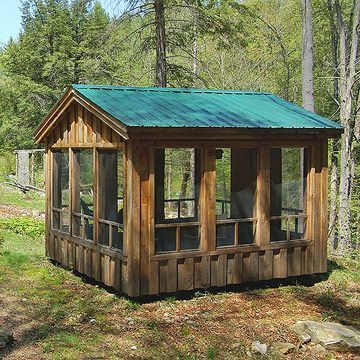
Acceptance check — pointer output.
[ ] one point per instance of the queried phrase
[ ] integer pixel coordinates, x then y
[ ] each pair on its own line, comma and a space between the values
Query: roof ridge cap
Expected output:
168, 89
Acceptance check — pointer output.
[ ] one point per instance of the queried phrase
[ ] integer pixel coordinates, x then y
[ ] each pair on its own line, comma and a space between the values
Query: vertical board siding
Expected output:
78, 127
90, 262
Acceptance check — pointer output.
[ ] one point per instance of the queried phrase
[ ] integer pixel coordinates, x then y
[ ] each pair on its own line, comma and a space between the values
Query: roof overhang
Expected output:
61, 107
214, 133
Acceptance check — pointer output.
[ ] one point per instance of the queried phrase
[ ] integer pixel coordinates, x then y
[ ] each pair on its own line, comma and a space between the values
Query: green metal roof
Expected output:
172, 107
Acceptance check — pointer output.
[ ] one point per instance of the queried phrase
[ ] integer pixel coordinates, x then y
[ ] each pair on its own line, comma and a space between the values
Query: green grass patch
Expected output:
26, 225
32, 200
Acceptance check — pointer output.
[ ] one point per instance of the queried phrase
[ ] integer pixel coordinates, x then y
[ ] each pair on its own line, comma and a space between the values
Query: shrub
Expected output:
27, 226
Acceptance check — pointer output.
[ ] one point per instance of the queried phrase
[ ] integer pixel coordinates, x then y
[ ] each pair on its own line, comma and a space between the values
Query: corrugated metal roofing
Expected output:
171, 107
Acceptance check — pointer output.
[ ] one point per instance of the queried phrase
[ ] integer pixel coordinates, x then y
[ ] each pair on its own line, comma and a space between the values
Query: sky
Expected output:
10, 18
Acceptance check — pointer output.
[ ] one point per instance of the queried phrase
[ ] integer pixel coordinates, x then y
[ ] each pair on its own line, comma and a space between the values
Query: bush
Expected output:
27, 226
7, 163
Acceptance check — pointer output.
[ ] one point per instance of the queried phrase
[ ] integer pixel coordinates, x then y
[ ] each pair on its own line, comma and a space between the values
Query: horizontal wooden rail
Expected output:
111, 224
246, 248
287, 219
178, 226
236, 223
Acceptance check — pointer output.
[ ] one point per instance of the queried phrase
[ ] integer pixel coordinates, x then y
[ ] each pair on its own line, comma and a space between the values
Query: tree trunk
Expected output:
334, 160
348, 58
159, 7
307, 56
334, 184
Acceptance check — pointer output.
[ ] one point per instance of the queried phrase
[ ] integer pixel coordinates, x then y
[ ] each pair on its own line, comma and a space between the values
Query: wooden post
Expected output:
74, 184
48, 204
133, 217
146, 220
263, 197
207, 200
324, 206
316, 198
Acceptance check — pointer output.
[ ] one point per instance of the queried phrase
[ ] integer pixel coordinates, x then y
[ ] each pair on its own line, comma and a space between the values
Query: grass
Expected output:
30, 201
56, 315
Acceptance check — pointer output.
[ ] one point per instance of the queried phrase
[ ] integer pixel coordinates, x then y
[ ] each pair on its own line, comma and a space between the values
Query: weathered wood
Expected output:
324, 206
171, 275
145, 239
133, 213
265, 265
207, 200
280, 264
294, 261
263, 197
316, 167
138, 270
186, 274
246, 267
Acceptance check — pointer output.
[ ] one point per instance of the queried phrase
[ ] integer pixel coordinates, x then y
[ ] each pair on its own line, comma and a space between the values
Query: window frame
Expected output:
159, 219
236, 221
59, 211
110, 223
304, 216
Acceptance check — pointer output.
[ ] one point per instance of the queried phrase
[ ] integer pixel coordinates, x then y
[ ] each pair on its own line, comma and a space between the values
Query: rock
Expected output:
329, 335
92, 321
318, 350
304, 338
6, 339
282, 348
257, 347
134, 347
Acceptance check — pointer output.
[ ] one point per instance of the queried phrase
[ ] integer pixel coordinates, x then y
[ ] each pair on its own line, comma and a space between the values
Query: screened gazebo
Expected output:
159, 190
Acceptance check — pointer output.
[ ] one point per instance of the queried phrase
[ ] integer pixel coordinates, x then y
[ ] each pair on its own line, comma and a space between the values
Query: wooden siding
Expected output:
78, 127
139, 271
186, 271
107, 267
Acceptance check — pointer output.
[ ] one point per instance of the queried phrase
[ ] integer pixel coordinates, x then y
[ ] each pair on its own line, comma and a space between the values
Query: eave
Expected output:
63, 104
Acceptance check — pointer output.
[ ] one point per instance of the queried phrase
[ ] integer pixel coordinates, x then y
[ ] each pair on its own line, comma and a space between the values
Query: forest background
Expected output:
306, 52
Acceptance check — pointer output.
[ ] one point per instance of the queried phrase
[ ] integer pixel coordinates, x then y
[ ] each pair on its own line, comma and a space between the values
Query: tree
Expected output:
307, 56
348, 59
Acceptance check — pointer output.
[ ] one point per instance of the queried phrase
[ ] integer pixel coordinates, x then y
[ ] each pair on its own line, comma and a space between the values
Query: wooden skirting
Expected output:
184, 271
181, 271
104, 265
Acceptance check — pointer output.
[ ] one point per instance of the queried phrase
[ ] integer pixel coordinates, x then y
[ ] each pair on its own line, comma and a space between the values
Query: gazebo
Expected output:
159, 190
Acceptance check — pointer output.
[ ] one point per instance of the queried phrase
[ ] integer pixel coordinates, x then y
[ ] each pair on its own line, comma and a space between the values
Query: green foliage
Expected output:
30, 201
27, 226
7, 163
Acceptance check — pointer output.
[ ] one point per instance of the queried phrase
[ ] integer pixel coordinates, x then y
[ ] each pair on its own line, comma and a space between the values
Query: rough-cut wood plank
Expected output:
254, 266
280, 264
221, 270
324, 207
207, 200
49, 251
265, 265
186, 274
246, 267
154, 278
133, 215
124, 277
171, 275
230, 269
145, 240
294, 261
87, 261
117, 275
96, 265
237, 270
263, 197
316, 205
163, 276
